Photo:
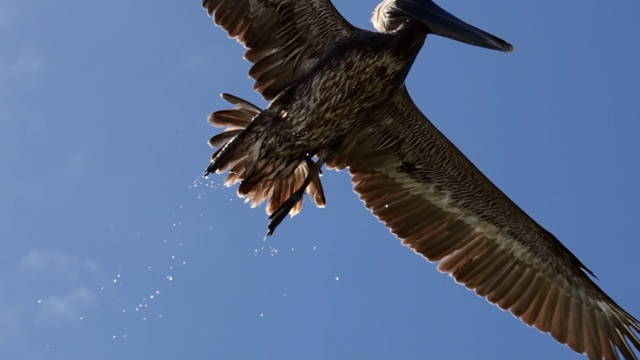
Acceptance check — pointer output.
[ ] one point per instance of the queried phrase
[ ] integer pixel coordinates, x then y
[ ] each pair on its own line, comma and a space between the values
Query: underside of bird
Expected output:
406, 172
283, 195
549, 292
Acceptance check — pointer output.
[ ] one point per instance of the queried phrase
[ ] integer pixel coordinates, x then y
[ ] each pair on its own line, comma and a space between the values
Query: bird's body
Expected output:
339, 97
315, 114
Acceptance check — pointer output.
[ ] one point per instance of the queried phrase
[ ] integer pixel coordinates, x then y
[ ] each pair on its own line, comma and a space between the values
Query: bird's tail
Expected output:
234, 155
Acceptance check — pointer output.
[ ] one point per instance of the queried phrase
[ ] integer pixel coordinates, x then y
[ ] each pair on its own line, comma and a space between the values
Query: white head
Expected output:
388, 18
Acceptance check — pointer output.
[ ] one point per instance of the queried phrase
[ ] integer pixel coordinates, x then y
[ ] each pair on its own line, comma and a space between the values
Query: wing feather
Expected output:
441, 206
284, 38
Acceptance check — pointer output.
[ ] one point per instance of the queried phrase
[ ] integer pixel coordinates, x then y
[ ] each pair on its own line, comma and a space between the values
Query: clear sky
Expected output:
114, 247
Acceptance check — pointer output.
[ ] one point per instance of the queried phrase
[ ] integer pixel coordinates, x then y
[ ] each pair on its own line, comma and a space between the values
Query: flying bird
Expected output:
338, 99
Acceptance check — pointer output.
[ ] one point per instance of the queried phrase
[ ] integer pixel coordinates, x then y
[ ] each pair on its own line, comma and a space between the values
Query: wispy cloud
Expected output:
22, 58
46, 289
6, 14
55, 266
67, 308
21, 65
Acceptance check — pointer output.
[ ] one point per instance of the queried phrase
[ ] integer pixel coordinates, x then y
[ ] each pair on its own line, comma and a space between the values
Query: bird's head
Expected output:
394, 15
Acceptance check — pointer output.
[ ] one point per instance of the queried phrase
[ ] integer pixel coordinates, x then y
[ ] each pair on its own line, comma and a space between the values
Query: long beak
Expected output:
440, 22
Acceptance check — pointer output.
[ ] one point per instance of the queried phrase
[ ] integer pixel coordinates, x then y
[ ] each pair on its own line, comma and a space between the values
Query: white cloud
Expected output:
69, 307
46, 290
18, 66
21, 59
13, 332
6, 15
55, 266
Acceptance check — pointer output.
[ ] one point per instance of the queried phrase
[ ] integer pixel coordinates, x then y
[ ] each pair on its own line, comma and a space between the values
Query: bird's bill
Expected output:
442, 23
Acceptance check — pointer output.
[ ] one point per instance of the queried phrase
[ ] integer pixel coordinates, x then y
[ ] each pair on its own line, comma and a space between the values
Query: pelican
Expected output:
339, 99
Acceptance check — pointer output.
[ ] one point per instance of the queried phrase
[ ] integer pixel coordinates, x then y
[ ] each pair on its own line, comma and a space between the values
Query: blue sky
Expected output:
113, 246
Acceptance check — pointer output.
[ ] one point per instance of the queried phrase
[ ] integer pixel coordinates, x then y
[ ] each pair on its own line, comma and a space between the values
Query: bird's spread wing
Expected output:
284, 38
439, 204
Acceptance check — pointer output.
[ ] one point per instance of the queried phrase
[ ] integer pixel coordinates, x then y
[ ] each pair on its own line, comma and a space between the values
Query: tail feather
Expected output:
275, 192
223, 137
232, 119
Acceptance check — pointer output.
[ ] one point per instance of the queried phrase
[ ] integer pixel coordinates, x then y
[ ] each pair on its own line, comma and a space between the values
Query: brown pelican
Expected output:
339, 97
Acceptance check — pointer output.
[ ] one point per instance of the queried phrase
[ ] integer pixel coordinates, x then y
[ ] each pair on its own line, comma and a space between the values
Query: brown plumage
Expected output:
276, 191
339, 96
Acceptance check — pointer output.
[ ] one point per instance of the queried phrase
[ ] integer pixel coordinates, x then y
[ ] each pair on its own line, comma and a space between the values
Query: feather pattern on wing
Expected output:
441, 206
284, 38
